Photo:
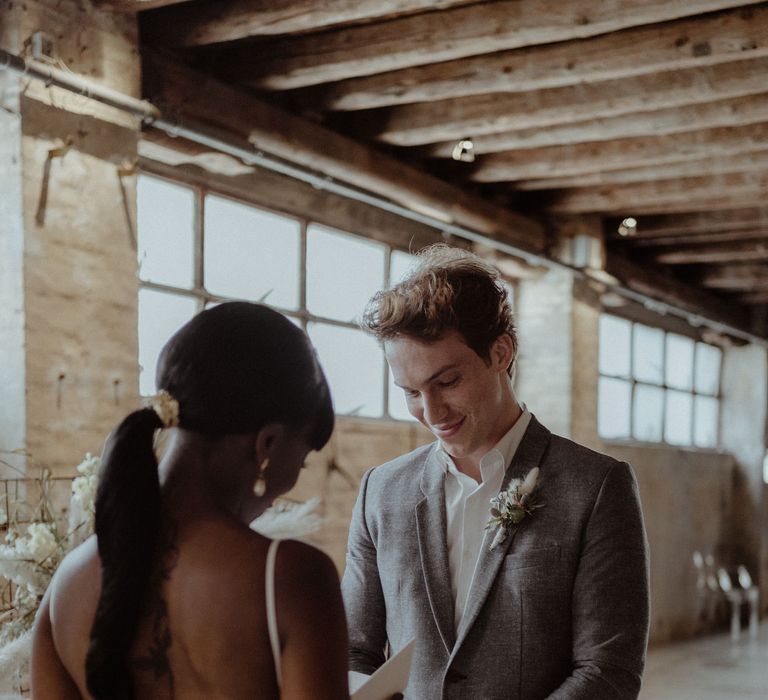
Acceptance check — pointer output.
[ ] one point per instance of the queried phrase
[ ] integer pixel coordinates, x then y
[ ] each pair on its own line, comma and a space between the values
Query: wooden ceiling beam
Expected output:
203, 24
450, 120
732, 35
622, 154
450, 34
206, 103
738, 111
753, 299
741, 219
736, 278
706, 193
695, 239
753, 161
751, 251
646, 280
131, 6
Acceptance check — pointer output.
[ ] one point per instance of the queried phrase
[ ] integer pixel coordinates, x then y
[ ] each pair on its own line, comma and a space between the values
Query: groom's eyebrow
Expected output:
444, 368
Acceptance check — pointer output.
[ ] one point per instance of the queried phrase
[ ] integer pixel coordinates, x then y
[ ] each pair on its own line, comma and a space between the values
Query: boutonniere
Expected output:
512, 505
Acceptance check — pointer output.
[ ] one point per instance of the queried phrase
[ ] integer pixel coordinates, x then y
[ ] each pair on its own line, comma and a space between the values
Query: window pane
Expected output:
647, 410
343, 273
679, 364
648, 354
397, 407
707, 369
165, 226
352, 362
613, 400
705, 424
399, 265
251, 253
677, 418
614, 346
160, 316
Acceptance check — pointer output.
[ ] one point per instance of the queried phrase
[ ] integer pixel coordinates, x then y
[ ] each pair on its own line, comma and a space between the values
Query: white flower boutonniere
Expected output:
512, 505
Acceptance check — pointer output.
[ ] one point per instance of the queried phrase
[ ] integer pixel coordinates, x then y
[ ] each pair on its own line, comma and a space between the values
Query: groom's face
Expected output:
460, 397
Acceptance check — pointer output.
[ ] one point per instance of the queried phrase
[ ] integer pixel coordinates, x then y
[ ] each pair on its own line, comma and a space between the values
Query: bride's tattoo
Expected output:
155, 660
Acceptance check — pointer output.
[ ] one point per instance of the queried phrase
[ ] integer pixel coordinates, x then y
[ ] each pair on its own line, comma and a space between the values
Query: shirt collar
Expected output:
497, 459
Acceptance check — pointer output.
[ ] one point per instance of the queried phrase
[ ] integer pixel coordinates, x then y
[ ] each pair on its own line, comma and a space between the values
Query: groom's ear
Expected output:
503, 352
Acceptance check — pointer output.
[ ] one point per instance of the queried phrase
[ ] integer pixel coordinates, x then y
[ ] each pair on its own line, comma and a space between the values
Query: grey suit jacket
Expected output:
559, 610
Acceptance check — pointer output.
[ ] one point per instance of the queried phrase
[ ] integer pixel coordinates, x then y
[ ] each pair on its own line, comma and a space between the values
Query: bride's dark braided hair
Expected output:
232, 369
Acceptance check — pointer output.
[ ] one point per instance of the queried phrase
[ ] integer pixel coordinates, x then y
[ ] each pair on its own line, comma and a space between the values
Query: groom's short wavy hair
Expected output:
449, 289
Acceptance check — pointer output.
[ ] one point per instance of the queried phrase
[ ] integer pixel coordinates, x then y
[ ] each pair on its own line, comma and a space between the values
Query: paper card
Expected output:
390, 678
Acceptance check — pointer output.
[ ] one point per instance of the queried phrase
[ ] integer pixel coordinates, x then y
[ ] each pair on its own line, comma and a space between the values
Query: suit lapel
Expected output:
527, 456
433, 548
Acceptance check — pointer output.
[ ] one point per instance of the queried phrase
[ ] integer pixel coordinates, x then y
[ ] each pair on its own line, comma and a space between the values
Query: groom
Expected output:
551, 601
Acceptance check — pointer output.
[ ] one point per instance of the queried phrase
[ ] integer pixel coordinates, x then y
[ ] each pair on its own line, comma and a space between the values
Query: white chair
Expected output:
746, 592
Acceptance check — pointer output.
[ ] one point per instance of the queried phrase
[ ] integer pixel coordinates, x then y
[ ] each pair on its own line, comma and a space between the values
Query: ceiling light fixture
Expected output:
464, 151
628, 227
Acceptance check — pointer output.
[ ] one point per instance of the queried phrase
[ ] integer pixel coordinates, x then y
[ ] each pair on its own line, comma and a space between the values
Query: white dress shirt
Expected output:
467, 506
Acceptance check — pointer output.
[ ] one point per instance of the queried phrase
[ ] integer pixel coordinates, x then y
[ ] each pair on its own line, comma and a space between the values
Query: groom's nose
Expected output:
433, 408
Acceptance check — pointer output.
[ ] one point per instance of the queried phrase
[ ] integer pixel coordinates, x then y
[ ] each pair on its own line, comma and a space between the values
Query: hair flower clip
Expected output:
510, 506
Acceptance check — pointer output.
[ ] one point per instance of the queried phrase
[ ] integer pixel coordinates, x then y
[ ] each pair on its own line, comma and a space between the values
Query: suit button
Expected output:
454, 676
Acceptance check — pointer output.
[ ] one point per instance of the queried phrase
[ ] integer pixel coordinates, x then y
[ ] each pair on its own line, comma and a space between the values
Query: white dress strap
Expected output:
274, 637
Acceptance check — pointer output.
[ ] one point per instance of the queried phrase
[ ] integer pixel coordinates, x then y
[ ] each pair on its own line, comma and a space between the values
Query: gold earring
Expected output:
260, 485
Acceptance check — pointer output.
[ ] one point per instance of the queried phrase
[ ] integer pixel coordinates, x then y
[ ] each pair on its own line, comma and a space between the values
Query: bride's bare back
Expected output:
204, 633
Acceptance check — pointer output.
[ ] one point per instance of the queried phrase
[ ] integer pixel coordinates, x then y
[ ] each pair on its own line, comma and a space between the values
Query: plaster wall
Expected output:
12, 340
73, 284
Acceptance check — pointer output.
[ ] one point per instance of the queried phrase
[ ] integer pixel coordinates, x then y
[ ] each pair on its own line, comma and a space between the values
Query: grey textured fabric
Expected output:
559, 610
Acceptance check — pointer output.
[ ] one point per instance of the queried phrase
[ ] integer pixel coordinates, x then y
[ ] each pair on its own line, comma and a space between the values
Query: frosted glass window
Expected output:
251, 254
399, 265
707, 379
160, 316
648, 354
165, 226
353, 365
647, 412
343, 273
613, 402
679, 364
397, 407
678, 418
614, 351
705, 421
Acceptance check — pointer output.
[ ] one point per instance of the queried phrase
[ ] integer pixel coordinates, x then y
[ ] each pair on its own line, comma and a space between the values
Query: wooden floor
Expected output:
709, 668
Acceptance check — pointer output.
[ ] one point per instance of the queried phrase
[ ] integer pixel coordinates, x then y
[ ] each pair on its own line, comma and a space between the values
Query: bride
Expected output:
175, 597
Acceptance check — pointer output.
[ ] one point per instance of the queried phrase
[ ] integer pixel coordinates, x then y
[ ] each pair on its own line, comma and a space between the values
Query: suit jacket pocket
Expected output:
532, 557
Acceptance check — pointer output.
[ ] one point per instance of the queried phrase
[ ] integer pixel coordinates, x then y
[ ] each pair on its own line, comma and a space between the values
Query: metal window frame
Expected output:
203, 297
633, 382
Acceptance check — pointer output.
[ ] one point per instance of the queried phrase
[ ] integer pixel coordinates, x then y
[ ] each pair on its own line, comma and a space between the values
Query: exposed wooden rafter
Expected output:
751, 161
717, 253
621, 154
231, 20
451, 34
736, 34
737, 278
728, 220
738, 111
691, 240
413, 125
706, 193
